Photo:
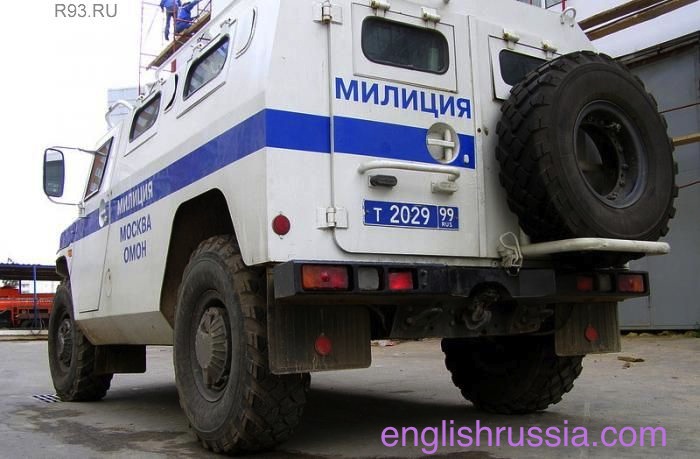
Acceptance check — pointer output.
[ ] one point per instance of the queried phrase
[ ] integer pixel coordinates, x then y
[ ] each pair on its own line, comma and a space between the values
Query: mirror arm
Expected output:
72, 204
82, 150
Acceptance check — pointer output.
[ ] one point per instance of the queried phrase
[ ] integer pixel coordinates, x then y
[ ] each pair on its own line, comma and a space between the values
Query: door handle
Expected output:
442, 143
453, 173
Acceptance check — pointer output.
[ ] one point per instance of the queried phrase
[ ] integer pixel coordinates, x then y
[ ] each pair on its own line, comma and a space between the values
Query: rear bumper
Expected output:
445, 285
444, 302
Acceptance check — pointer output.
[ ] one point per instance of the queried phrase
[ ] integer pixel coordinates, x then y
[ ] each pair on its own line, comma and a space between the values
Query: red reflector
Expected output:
584, 284
631, 283
401, 280
323, 345
281, 225
317, 277
591, 334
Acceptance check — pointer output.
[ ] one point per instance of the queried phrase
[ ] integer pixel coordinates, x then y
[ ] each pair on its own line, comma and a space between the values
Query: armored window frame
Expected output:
515, 66
98, 169
422, 41
223, 44
137, 130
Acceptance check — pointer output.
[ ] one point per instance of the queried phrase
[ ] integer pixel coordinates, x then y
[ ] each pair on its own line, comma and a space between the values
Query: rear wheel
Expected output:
231, 399
71, 355
510, 375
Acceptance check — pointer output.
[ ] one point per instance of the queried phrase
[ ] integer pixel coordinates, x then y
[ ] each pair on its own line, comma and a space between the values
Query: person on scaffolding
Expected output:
171, 8
184, 17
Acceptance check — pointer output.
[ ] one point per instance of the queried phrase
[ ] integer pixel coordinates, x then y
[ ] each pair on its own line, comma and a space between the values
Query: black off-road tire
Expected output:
584, 153
71, 355
510, 375
233, 402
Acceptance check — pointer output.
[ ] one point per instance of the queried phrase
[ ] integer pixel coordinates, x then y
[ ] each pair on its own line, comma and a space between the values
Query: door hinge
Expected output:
327, 13
332, 217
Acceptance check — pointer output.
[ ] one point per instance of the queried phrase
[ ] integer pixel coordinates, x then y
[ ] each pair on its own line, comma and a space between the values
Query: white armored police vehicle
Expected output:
317, 174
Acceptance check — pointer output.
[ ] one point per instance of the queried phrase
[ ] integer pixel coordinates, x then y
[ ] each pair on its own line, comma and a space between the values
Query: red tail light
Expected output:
631, 283
584, 283
320, 277
401, 280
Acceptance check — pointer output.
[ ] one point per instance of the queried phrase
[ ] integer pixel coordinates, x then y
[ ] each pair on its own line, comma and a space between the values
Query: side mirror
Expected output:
54, 173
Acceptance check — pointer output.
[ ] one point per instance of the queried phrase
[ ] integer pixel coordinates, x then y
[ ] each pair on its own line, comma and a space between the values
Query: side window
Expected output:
206, 68
515, 66
406, 46
145, 118
97, 172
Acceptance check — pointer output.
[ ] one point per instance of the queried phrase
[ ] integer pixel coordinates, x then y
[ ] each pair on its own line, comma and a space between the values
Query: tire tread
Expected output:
553, 377
86, 386
273, 404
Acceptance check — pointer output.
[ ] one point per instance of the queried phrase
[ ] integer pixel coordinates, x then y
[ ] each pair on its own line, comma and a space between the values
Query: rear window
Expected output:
515, 66
401, 45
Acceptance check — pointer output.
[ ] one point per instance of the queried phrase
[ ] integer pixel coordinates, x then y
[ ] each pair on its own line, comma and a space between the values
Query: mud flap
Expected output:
586, 329
293, 331
120, 359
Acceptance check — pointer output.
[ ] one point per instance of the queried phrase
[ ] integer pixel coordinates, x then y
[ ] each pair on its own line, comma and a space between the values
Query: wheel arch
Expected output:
62, 268
196, 220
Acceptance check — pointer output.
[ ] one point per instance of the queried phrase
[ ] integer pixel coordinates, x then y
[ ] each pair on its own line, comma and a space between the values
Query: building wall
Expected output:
675, 279
662, 29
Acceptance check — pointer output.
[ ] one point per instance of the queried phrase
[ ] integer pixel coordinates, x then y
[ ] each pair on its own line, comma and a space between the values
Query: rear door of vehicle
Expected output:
403, 160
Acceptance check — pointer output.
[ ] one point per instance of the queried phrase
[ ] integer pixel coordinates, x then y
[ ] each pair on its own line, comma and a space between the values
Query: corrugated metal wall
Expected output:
673, 77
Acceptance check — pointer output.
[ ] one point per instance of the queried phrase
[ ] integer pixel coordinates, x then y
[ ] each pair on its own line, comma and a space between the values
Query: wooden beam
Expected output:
644, 16
615, 13
686, 140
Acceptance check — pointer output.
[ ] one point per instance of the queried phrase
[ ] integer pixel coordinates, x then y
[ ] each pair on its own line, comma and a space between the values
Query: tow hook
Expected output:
477, 315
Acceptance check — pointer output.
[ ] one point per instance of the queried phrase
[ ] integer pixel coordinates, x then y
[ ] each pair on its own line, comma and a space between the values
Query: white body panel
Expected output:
260, 133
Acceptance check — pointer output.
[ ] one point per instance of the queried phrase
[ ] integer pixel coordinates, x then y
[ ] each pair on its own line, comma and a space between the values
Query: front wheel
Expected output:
71, 355
510, 375
231, 399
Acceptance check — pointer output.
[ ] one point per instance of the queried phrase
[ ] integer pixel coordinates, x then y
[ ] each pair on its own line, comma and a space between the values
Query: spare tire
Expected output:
584, 153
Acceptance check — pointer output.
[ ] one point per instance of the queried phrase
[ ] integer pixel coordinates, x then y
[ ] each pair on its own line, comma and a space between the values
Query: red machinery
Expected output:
26, 310
17, 309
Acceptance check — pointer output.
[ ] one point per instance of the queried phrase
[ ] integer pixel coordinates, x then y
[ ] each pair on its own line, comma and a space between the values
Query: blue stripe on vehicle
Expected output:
276, 129
393, 141
298, 131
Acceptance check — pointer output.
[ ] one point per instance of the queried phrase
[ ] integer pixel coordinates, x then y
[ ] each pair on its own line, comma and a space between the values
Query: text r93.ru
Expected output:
84, 10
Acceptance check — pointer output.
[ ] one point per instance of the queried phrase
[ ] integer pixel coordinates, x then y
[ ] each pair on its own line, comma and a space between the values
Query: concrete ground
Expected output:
347, 411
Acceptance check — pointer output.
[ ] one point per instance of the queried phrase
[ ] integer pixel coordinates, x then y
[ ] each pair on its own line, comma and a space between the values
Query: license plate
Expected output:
405, 215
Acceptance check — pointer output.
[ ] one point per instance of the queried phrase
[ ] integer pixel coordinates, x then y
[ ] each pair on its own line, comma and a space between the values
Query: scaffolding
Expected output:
155, 53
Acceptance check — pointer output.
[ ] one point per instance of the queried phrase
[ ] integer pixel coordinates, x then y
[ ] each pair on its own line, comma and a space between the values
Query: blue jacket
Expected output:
184, 16
169, 4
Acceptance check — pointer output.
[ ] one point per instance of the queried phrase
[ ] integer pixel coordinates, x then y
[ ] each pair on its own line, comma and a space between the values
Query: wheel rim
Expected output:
610, 154
211, 347
64, 342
